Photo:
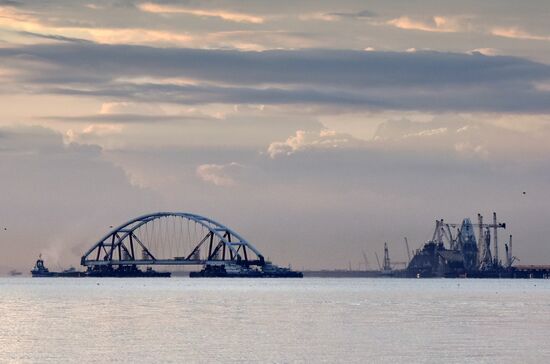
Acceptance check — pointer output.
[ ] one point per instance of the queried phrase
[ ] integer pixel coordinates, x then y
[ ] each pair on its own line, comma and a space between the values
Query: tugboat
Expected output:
39, 270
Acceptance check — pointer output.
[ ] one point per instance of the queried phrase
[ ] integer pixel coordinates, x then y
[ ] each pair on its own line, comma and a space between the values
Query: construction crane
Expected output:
408, 250
387, 264
510, 259
484, 257
365, 259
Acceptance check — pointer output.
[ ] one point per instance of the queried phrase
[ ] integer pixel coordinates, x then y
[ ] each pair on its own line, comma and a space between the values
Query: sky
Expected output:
316, 129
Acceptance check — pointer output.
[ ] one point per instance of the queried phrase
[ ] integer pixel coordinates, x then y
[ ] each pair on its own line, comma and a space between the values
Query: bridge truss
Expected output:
170, 238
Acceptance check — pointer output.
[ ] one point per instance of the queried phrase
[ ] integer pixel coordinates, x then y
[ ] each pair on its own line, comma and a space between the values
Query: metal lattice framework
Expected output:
214, 242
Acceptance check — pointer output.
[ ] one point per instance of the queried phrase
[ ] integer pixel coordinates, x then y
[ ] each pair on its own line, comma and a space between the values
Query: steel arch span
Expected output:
171, 238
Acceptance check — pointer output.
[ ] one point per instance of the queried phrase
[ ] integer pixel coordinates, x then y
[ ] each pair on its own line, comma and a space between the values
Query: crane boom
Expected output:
408, 250
365, 259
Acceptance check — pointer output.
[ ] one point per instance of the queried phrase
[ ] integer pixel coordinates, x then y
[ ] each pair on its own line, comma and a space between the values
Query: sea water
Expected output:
310, 320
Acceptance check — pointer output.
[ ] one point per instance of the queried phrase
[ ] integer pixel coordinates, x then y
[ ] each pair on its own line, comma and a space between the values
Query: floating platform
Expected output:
40, 271
125, 272
225, 269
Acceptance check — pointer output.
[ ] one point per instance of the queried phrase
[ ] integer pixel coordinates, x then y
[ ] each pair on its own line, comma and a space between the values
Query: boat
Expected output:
70, 273
270, 270
40, 270
228, 269
225, 269
15, 273
125, 271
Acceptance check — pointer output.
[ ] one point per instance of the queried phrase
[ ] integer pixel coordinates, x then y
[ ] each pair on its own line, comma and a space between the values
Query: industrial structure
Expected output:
455, 251
177, 239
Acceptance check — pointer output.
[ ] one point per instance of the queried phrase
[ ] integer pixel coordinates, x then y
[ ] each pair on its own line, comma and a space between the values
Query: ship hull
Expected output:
127, 273
58, 274
202, 274
238, 271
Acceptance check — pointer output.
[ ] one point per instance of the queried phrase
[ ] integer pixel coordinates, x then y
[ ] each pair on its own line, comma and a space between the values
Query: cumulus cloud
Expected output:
291, 145
461, 137
219, 174
92, 132
427, 132
325, 139
449, 136
470, 150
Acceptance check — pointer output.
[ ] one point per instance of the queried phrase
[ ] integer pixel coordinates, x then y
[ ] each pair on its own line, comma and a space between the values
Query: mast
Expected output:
480, 241
495, 228
510, 256
387, 265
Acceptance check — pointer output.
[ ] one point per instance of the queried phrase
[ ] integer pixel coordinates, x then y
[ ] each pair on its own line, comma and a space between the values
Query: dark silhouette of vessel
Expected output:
227, 269
131, 271
40, 270
125, 271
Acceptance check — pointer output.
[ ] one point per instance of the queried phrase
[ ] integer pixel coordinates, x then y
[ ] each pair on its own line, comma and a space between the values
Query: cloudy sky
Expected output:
316, 129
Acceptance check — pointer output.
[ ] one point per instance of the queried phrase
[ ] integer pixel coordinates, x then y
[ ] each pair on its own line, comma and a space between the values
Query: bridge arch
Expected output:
171, 238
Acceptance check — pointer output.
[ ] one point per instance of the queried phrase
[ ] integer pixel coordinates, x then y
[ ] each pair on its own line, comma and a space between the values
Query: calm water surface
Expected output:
62, 320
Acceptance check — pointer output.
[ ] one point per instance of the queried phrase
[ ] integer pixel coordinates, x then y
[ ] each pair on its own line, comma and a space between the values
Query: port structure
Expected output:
484, 258
170, 238
454, 251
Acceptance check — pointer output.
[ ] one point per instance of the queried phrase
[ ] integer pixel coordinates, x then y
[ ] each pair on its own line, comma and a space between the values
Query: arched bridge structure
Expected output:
171, 238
